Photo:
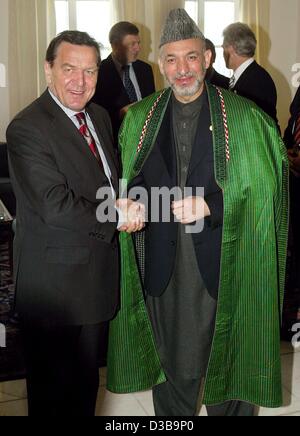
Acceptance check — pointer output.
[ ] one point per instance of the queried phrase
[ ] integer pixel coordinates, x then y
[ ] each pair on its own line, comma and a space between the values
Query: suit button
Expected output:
100, 237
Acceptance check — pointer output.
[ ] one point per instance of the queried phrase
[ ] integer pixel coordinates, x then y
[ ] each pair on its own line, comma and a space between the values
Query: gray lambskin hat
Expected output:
179, 26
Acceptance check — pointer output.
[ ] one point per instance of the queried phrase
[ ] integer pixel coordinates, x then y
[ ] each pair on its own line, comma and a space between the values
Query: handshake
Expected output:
132, 215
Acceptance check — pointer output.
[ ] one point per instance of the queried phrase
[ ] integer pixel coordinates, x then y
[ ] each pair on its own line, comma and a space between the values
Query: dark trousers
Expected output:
62, 369
181, 398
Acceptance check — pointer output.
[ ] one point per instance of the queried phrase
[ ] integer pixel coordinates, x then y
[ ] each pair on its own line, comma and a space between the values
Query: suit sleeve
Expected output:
39, 183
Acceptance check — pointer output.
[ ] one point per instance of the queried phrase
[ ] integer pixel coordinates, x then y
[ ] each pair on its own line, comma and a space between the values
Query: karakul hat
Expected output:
179, 26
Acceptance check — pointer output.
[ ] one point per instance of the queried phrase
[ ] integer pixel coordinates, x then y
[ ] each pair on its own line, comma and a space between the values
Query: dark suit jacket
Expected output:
257, 85
217, 79
66, 262
160, 170
111, 94
295, 111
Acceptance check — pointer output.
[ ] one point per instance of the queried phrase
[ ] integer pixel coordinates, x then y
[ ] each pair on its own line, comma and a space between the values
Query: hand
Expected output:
133, 215
190, 210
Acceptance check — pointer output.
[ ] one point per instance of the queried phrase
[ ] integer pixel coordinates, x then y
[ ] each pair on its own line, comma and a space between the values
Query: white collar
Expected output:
242, 68
69, 112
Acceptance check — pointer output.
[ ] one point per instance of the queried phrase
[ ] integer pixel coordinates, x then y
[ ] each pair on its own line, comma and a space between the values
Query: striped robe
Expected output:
251, 167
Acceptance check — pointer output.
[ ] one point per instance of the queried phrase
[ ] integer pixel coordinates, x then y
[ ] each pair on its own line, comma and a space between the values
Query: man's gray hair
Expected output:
242, 39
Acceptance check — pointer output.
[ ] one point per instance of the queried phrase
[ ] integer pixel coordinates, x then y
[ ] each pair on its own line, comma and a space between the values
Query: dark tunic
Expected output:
183, 317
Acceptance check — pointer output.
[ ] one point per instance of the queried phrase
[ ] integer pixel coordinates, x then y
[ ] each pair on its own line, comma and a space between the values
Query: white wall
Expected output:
284, 52
4, 100
284, 38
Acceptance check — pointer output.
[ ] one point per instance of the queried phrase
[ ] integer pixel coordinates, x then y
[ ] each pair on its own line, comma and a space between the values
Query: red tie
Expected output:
297, 131
84, 130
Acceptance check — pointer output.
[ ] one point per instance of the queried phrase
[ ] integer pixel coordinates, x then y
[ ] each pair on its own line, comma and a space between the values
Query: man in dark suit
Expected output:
123, 79
66, 260
212, 76
249, 79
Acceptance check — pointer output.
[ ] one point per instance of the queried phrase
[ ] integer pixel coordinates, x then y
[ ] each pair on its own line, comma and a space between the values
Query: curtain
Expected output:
31, 27
149, 16
256, 13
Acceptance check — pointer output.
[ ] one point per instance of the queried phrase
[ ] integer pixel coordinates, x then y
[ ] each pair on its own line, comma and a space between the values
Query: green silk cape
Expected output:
251, 167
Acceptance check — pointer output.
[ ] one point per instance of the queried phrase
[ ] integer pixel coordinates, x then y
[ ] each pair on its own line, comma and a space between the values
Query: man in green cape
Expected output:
213, 298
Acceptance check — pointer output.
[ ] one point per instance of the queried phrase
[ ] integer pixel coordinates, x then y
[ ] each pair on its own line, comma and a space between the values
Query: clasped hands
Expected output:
186, 211
132, 215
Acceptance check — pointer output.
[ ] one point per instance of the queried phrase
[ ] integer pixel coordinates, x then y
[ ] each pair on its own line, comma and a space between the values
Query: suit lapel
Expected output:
115, 78
66, 128
243, 80
117, 84
139, 76
166, 144
106, 145
203, 144
71, 138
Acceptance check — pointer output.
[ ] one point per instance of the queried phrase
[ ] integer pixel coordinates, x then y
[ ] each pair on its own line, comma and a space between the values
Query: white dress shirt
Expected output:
72, 115
241, 69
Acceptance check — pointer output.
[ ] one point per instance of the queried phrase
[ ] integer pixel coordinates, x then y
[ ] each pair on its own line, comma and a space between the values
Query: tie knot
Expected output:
81, 118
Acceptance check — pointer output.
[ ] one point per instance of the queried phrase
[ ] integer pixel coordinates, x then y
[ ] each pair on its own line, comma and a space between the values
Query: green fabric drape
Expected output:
133, 362
251, 167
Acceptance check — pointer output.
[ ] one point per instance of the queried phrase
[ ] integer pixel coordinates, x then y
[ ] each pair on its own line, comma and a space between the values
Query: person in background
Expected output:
66, 261
249, 79
214, 254
212, 76
123, 78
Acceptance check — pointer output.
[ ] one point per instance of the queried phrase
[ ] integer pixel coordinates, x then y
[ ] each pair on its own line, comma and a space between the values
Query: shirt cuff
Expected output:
121, 218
